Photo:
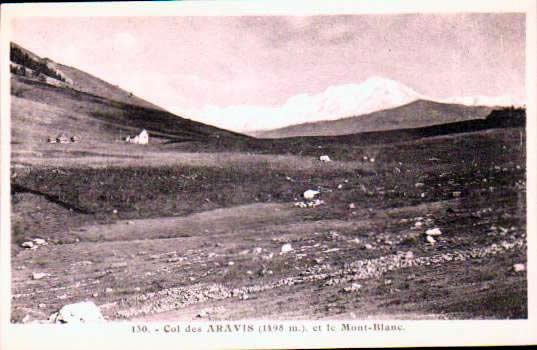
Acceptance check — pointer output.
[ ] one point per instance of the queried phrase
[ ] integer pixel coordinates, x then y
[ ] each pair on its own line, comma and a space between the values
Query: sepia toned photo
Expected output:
208, 169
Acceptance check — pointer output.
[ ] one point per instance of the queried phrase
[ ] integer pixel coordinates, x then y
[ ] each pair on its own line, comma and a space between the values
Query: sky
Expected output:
236, 72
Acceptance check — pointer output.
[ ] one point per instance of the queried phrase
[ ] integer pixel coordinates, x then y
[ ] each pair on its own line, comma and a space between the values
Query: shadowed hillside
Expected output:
42, 110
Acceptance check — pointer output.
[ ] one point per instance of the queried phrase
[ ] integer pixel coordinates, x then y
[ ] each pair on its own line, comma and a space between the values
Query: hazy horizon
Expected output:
239, 72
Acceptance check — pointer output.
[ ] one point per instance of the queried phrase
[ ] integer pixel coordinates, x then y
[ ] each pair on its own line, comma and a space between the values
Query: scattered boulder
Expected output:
325, 158
315, 203
433, 232
431, 240
39, 241
268, 256
419, 184
519, 267
310, 194
352, 206
84, 312
257, 250
286, 248
39, 275
27, 244
352, 288
456, 194
356, 241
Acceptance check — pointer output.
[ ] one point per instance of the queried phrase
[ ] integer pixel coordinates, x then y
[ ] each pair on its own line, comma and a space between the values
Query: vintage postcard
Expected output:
268, 174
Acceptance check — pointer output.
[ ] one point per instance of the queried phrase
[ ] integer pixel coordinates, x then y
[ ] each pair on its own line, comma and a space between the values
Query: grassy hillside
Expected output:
40, 110
75, 78
416, 114
87, 83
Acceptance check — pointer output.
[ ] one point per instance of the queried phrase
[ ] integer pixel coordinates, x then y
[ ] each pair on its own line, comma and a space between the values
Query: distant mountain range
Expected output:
336, 102
49, 98
415, 114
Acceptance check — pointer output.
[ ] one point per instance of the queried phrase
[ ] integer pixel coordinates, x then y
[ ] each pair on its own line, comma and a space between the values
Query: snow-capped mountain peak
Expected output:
335, 102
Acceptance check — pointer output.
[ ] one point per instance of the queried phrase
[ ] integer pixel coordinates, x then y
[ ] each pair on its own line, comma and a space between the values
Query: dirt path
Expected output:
228, 264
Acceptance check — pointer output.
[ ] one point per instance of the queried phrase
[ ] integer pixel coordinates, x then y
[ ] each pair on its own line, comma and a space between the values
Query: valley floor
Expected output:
160, 235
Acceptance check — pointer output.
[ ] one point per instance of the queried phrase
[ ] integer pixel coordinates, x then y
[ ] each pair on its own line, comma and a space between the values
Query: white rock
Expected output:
519, 267
431, 240
325, 158
286, 248
39, 241
114, 211
268, 256
418, 224
315, 203
310, 194
356, 241
231, 263
409, 255
368, 246
372, 160
84, 312
27, 244
433, 232
339, 187
419, 184
352, 206
354, 287
456, 194
39, 275
257, 250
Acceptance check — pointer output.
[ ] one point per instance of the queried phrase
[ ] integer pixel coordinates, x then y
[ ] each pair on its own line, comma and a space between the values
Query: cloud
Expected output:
124, 41
335, 102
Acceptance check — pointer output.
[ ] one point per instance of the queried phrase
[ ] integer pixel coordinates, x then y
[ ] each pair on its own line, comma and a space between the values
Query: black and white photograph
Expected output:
350, 168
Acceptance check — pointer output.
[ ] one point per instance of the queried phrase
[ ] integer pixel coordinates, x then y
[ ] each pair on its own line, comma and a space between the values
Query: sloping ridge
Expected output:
501, 118
85, 82
101, 112
416, 114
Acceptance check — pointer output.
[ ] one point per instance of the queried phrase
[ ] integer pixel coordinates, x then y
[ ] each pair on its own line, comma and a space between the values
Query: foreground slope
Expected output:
415, 114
